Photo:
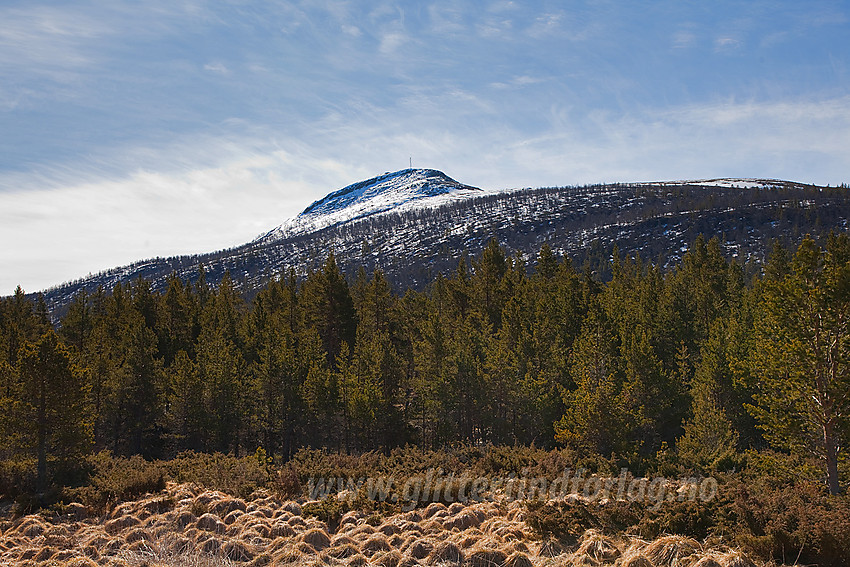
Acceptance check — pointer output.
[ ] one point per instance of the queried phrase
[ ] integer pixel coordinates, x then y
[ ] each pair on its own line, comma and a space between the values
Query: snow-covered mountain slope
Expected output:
729, 182
414, 224
399, 191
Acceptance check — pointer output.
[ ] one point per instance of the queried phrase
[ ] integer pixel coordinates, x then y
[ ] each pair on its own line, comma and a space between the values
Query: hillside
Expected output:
416, 223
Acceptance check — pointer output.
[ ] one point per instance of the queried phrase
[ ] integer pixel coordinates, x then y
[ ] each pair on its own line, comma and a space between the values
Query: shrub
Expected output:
115, 479
17, 476
795, 521
239, 476
329, 510
288, 485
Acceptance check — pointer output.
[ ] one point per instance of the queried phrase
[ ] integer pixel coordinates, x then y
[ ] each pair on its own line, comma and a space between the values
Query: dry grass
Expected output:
161, 556
735, 559
670, 551
486, 558
707, 561
316, 538
446, 552
185, 526
597, 547
518, 559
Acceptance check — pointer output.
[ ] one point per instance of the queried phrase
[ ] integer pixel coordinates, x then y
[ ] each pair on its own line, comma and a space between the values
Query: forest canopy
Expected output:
704, 360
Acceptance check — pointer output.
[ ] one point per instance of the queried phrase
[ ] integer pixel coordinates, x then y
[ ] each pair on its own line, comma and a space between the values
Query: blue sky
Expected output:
137, 129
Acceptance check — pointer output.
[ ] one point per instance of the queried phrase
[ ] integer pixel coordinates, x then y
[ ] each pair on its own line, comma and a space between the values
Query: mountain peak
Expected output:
398, 190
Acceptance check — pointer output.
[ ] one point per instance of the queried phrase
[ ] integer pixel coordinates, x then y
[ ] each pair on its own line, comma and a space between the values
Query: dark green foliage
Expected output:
785, 523
800, 363
569, 521
116, 479
44, 408
239, 476
648, 367
710, 437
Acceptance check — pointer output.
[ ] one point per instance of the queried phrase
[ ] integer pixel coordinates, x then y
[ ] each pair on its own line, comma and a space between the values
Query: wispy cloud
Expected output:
391, 41
727, 44
353, 31
39, 37
547, 24
519, 81
684, 39
217, 67
180, 126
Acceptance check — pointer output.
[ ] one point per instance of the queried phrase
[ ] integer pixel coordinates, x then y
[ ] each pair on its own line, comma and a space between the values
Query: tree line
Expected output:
703, 359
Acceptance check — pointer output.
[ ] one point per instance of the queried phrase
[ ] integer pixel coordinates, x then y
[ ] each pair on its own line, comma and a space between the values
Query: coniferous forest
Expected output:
709, 367
707, 359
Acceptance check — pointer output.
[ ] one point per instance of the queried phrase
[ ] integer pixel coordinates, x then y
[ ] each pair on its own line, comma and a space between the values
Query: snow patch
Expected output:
399, 191
731, 183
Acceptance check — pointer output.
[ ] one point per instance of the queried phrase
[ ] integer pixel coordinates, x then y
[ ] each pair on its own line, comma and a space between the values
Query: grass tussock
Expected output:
597, 547
147, 510
670, 551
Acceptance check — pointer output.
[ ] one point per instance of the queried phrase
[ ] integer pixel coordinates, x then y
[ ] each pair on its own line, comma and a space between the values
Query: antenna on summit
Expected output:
411, 162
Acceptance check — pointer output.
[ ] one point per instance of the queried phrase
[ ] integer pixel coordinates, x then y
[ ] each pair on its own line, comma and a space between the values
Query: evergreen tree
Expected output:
547, 263
139, 391
222, 372
77, 324
801, 354
709, 434
176, 319
186, 416
48, 406
320, 391
488, 286
329, 308
591, 419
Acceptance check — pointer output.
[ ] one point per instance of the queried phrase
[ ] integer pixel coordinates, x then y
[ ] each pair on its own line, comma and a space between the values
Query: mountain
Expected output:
416, 223
399, 191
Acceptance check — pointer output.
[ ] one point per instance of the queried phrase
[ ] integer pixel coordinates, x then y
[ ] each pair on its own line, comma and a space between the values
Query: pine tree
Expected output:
139, 390
591, 418
377, 355
709, 435
801, 357
275, 372
320, 391
431, 365
49, 406
77, 323
490, 268
361, 389
186, 416
175, 320
547, 264
329, 308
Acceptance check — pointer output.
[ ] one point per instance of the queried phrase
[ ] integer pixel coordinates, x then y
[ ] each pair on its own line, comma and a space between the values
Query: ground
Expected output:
186, 525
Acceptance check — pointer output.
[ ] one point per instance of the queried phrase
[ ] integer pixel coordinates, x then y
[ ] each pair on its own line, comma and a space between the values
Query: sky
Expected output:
132, 130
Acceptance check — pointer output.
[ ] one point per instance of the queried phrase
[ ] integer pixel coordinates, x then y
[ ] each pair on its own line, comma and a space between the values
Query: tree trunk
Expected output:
42, 439
831, 446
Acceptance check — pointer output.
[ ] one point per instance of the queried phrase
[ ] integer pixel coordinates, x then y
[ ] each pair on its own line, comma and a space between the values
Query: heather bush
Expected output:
768, 516
17, 476
287, 484
239, 476
114, 479
794, 523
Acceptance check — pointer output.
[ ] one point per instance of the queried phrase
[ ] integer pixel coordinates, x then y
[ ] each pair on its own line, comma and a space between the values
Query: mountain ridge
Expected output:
418, 235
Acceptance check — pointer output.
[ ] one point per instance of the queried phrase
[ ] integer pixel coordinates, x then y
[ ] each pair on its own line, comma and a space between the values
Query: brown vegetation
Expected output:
187, 524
